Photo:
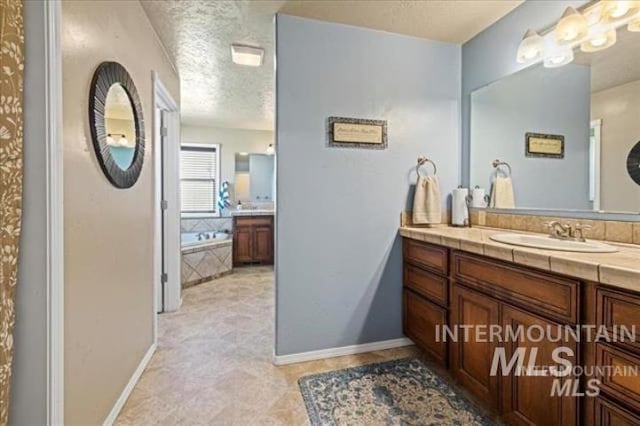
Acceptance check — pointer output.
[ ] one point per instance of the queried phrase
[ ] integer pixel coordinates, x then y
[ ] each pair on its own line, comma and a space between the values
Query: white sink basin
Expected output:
549, 243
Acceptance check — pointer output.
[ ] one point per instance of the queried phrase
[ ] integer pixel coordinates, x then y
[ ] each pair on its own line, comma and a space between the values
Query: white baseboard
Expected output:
341, 351
111, 418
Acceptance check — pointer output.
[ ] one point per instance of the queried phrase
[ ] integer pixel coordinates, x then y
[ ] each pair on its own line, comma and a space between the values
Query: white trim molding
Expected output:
55, 219
113, 414
341, 351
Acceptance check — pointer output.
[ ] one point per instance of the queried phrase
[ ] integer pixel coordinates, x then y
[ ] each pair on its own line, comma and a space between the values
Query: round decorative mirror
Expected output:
117, 126
633, 163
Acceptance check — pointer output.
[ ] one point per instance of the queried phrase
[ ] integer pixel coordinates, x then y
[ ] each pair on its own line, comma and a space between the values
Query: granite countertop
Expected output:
255, 212
621, 269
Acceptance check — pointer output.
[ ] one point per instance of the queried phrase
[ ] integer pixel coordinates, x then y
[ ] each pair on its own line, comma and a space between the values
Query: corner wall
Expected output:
108, 232
338, 254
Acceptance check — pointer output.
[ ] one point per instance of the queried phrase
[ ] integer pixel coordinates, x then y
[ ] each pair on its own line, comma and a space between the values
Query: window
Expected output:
199, 178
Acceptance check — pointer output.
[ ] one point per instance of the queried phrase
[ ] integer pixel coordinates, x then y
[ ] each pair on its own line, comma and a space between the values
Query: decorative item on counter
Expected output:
427, 204
223, 196
239, 206
479, 199
459, 211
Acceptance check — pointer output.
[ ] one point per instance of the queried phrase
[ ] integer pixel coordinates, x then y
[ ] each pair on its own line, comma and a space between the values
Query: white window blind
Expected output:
199, 178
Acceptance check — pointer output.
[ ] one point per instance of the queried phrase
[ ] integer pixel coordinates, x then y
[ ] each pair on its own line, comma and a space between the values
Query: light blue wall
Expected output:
491, 54
338, 256
540, 100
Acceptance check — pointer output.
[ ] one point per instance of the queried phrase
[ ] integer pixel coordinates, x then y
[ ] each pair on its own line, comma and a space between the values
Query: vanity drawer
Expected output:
253, 220
608, 413
421, 318
429, 285
617, 309
546, 294
621, 377
427, 256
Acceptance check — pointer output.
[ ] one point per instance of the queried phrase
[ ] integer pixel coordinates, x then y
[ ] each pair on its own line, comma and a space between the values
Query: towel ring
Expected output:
498, 163
422, 161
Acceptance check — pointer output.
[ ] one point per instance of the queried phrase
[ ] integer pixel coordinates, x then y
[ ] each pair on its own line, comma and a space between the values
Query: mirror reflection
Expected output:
254, 180
562, 136
120, 126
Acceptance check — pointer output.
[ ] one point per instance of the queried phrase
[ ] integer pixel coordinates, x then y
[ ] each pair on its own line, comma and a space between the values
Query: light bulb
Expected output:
531, 47
123, 141
618, 10
270, 149
560, 57
110, 140
600, 41
571, 27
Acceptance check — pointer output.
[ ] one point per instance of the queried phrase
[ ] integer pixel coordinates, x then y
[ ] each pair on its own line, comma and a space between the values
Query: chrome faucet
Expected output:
202, 236
567, 231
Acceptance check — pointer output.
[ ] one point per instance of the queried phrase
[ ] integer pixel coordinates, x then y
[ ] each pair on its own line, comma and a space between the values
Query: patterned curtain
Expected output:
11, 80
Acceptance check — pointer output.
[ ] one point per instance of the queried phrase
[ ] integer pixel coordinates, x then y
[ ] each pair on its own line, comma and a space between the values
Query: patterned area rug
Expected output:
400, 392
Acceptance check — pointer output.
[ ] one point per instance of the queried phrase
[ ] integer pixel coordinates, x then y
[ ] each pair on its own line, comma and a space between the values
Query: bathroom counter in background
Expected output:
255, 212
621, 269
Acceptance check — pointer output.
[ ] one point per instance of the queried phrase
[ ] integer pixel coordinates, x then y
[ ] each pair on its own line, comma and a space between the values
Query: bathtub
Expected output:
204, 259
190, 239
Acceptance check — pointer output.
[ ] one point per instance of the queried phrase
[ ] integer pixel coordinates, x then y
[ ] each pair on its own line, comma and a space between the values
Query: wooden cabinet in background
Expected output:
252, 240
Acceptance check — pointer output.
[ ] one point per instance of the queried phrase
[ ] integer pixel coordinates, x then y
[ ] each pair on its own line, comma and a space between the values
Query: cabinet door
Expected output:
471, 358
610, 414
243, 244
421, 318
263, 248
527, 399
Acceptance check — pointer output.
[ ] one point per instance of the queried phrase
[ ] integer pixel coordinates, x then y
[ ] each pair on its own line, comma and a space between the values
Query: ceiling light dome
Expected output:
618, 10
531, 48
559, 57
571, 27
601, 39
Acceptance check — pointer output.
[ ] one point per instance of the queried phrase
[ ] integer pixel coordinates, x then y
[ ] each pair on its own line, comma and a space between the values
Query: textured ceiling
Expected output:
452, 21
216, 92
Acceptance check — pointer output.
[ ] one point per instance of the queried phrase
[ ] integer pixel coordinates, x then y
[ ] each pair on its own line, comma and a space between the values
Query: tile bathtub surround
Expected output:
206, 224
614, 231
621, 269
200, 264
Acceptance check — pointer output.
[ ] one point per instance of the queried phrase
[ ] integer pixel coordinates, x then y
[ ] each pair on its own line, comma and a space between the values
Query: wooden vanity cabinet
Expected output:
252, 240
484, 291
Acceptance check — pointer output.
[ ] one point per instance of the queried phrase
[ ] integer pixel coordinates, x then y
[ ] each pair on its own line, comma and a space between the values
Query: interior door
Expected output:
163, 133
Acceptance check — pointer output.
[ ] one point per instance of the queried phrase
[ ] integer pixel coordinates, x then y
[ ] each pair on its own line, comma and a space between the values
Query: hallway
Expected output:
213, 362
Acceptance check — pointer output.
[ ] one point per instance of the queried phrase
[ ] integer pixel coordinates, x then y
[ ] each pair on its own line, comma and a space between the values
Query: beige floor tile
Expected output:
213, 363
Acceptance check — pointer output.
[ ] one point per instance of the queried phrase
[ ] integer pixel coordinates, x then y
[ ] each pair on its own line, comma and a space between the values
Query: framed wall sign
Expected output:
542, 145
357, 133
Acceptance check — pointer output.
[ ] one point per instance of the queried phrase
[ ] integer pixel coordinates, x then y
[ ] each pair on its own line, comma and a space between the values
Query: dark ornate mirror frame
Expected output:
633, 163
106, 75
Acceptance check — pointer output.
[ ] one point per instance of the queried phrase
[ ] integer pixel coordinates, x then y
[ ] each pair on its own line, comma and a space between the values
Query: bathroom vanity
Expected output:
253, 238
458, 276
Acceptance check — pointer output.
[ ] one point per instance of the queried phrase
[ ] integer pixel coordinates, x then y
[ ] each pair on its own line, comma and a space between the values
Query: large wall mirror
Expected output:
569, 135
117, 127
254, 180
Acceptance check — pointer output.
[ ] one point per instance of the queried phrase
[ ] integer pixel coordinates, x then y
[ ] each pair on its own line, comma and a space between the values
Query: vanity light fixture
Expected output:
559, 57
122, 141
602, 38
110, 140
618, 10
531, 47
634, 25
247, 55
571, 27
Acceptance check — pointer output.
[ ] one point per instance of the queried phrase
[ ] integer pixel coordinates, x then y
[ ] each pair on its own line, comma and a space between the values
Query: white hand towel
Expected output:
427, 206
502, 193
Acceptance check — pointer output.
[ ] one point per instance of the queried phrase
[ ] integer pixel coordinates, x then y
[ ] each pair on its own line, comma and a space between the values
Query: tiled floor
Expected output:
213, 363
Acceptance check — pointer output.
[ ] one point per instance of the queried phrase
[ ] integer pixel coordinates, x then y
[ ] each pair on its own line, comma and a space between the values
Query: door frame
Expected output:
170, 174
54, 214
